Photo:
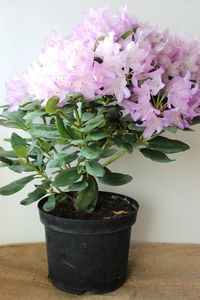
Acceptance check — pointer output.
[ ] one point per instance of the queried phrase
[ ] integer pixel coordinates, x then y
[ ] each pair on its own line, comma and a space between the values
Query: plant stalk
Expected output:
114, 158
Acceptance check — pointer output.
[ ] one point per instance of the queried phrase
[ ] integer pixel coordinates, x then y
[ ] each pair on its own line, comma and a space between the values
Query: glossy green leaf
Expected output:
17, 140
166, 145
155, 155
73, 132
115, 179
21, 151
6, 153
12, 124
30, 117
49, 135
95, 169
119, 142
86, 199
17, 168
34, 196
6, 160
15, 186
172, 129
39, 160
61, 159
87, 116
98, 121
126, 34
31, 105
43, 127
78, 186
97, 135
77, 142
15, 165
107, 153
66, 177
132, 126
50, 203
61, 127
16, 116
91, 152
52, 105
195, 121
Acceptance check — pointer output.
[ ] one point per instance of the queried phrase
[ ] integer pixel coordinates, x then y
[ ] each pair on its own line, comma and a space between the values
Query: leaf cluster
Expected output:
69, 146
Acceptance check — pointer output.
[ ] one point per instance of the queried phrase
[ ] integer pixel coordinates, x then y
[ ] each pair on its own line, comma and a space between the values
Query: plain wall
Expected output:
168, 194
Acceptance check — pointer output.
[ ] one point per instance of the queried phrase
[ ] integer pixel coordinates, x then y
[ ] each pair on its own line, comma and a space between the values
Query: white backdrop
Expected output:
168, 193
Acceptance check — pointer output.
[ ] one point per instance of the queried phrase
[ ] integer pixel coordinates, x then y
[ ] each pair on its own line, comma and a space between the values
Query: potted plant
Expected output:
114, 85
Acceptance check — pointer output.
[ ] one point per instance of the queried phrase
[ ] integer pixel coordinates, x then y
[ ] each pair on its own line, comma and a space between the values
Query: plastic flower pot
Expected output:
88, 255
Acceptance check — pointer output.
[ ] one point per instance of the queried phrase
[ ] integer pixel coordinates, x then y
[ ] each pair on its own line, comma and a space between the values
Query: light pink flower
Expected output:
153, 74
153, 124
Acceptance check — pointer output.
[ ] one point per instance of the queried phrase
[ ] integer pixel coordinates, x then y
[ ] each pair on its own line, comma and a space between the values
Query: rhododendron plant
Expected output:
113, 83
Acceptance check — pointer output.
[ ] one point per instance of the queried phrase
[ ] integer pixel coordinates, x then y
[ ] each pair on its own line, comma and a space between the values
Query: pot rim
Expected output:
134, 205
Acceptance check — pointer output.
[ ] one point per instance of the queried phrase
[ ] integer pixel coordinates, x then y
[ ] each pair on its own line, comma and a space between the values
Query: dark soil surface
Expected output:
106, 208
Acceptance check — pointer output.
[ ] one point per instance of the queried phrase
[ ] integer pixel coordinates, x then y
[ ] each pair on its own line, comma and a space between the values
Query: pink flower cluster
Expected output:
153, 74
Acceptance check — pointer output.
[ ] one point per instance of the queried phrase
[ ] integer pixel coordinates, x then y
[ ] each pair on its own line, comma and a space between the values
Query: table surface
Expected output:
156, 271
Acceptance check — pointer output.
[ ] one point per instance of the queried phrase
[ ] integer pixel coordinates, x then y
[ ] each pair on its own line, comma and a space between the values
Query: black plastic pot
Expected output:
88, 255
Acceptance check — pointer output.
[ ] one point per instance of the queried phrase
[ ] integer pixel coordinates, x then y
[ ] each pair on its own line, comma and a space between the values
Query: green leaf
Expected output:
11, 124
14, 119
16, 167
87, 198
98, 121
111, 112
52, 105
132, 126
31, 105
36, 195
66, 177
21, 151
45, 131
43, 127
166, 145
107, 153
115, 179
6, 160
119, 142
15, 186
78, 186
172, 129
77, 142
126, 34
17, 140
49, 135
91, 152
87, 116
16, 116
73, 132
195, 121
155, 155
81, 169
40, 158
5, 153
95, 169
61, 127
29, 117
50, 203
96, 135
61, 159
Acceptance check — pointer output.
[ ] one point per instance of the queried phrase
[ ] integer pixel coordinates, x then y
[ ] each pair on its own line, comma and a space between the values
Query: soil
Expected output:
106, 208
